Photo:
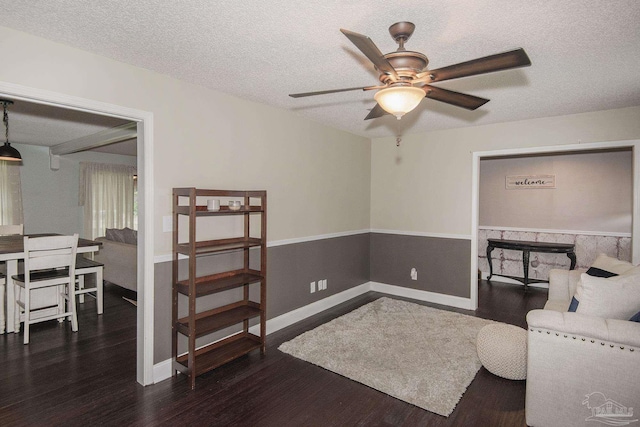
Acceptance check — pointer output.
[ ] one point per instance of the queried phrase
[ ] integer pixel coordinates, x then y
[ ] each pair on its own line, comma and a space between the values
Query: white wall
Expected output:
425, 184
593, 192
317, 178
50, 198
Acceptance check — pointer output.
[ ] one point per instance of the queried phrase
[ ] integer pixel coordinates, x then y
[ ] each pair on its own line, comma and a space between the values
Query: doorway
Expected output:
633, 145
144, 120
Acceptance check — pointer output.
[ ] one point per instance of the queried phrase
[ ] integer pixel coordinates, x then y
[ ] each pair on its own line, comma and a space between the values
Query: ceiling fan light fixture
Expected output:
402, 71
7, 152
399, 100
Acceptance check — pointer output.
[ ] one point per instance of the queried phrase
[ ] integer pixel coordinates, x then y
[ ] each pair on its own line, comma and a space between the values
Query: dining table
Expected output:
12, 251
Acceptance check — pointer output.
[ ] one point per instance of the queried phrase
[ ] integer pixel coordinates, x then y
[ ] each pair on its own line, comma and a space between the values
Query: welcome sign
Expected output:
525, 182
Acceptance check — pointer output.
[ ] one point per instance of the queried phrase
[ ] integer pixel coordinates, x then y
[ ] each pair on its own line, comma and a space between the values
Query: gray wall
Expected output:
346, 262
593, 192
442, 264
343, 261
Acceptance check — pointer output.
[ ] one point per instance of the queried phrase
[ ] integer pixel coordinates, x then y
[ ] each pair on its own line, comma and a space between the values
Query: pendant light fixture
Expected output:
7, 152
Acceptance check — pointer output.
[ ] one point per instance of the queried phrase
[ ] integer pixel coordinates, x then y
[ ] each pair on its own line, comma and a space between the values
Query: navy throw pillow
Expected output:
598, 272
636, 317
574, 305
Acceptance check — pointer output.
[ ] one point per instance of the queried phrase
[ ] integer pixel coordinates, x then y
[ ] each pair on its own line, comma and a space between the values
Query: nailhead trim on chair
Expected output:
631, 349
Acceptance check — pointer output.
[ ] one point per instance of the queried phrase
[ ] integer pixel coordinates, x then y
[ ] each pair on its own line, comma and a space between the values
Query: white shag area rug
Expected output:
418, 354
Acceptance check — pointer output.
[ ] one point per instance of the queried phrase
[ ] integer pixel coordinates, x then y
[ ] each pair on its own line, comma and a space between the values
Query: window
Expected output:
107, 193
10, 194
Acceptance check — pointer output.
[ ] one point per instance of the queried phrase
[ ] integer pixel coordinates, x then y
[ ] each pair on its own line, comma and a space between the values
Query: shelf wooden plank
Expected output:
219, 282
219, 318
224, 210
213, 246
221, 352
200, 192
229, 193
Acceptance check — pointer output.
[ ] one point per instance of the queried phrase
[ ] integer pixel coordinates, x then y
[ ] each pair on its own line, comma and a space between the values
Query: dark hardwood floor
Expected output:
88, 378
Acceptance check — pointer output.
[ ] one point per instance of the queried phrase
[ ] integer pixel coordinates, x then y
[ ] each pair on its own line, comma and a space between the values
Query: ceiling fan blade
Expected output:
376, 112
458, 99
488, 64
324, 92
371, 51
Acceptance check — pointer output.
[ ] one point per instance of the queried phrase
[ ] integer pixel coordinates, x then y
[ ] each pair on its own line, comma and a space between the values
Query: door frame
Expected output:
144, 119
633, 144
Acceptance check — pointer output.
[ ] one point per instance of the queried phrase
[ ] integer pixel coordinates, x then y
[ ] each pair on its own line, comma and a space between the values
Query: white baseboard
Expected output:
163, 370
294, 316
485, 274
436, 298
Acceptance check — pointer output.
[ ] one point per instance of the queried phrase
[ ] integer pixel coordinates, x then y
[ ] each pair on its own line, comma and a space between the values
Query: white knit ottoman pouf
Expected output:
502, 349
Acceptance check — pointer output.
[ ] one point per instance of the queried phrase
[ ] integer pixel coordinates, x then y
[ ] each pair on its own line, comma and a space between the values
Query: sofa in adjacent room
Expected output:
119, 254
584, 365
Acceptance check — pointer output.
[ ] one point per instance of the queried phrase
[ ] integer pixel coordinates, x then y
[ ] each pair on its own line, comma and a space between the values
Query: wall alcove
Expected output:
590, 205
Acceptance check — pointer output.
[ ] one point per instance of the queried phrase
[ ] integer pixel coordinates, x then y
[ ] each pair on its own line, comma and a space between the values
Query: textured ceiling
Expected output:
584, 53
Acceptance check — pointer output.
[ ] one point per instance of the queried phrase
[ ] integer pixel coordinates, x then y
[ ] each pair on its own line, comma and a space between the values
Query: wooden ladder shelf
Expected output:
193, 324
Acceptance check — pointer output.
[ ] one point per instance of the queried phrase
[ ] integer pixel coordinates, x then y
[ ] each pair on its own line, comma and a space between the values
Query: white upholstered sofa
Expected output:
580, 368
119, 254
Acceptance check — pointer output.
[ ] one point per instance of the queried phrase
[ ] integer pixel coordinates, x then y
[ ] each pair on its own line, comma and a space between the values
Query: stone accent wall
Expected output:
509, 262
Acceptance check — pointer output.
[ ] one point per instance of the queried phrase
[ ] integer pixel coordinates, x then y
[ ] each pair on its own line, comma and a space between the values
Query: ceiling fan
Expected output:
406, 80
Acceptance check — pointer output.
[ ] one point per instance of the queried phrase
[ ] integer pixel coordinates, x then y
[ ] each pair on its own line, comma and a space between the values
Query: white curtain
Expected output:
107, 194
10, 194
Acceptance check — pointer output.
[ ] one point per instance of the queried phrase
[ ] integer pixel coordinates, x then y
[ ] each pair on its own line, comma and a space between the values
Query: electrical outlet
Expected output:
414, 274
312, 286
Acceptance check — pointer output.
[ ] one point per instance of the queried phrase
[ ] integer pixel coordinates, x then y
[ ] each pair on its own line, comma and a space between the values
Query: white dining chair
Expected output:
84, 267
48, 262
